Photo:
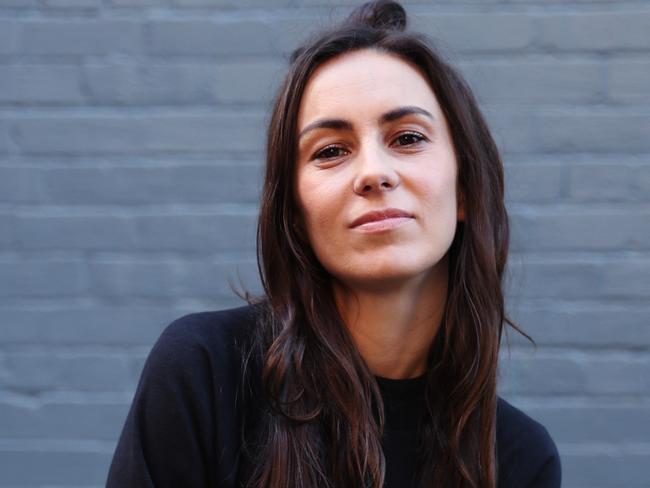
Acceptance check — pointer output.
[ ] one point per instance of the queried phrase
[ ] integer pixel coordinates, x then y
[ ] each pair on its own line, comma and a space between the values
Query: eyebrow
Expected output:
342, 124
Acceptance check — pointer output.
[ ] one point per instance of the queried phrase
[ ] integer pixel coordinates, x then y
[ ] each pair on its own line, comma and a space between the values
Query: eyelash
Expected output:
417, 135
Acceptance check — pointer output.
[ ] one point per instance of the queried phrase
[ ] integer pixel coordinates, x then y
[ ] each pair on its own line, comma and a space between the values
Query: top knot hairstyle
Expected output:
325, 416
383, 15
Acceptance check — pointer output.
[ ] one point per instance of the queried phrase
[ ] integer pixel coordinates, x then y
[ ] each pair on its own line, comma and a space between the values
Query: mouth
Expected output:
385, 219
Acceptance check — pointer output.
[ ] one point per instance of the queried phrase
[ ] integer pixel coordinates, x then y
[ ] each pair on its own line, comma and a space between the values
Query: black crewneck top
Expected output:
403, 408
190, 410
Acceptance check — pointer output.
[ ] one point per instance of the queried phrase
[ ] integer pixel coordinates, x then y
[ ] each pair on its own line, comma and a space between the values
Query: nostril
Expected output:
375, 182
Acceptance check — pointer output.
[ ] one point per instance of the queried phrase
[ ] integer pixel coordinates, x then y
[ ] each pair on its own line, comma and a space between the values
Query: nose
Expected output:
375, 171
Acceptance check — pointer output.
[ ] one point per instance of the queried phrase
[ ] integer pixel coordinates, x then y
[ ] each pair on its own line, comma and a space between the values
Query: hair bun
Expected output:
380, 14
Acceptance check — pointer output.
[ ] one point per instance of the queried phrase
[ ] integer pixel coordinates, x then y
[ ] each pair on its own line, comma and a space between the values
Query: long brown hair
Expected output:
325, 419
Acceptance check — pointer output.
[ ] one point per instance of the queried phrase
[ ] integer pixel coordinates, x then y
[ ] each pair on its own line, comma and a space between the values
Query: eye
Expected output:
409, 138
328, 152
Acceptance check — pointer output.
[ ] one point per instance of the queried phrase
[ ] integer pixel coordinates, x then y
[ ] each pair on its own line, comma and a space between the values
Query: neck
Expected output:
393, 327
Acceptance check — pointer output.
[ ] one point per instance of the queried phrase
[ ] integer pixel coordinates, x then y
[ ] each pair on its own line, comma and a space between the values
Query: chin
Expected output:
383, 274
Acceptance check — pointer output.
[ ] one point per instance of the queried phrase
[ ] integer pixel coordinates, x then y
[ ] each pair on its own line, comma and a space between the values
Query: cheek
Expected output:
445, 196
320, 205
438, 194
438, 190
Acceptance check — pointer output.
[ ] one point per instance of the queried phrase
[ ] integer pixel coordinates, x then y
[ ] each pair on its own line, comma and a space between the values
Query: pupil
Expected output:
407, 138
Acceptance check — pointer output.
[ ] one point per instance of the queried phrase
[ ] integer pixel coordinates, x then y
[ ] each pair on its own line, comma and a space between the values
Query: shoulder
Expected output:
216, 331
526, 453
513, 424
188, 404
210, 341
226, 326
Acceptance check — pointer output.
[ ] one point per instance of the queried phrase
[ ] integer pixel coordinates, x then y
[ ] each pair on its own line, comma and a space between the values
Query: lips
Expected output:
377, 215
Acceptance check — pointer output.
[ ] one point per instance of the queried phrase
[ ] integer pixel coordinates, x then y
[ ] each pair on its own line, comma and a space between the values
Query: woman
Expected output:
382, 239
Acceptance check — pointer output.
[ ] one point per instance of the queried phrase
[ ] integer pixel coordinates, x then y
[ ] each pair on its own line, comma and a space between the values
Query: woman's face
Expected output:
372, 138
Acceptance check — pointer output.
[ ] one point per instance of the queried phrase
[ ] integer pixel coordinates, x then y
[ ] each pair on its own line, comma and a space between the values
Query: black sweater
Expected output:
184, 428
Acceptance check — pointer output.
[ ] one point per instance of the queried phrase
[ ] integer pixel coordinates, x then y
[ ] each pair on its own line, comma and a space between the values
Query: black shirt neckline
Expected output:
404, 401
402, 385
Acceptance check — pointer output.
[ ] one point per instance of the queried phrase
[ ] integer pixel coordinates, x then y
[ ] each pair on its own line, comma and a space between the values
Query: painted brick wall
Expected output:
131, 138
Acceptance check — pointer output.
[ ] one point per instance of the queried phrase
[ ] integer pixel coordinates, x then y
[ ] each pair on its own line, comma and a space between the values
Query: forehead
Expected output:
364, 82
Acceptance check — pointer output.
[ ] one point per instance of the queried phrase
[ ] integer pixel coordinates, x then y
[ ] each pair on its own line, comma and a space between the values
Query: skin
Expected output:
390, 286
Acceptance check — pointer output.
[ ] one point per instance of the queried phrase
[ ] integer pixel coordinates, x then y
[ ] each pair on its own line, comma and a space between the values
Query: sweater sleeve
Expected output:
528, 456
167, 439
549, 474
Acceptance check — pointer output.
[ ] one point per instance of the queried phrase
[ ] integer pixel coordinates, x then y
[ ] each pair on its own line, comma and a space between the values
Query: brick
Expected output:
78, 37
68, 468
629, 81
581, 229
100, 232
564, 279
593, 130
510, 127
138, 3
289, 31
169, 232
618, 375
207, 37
569, 374
207, 279
73, 3
533, 82
574, 423
116, 325
15, 4
168, 84
96, 325
52, 445
604, 470
631, 275
112, 278
556, 2
247, 82
529, 375
348, 5
606, 182
534, 182
20, 185
205, 233
224, 4
31, 372
641, 180
81, 134
167, 279
94, 419
7, 226
138, 133
8, 36
35, 84
4, 137
19, 3
201, 183
490, 32
595, 31
225, 132
599, 327
40, 278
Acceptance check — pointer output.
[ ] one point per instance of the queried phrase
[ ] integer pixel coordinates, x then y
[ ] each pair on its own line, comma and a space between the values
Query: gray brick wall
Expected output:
131, 139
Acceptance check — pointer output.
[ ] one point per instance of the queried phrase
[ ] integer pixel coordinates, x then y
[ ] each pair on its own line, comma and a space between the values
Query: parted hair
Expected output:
325, 417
